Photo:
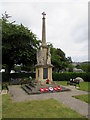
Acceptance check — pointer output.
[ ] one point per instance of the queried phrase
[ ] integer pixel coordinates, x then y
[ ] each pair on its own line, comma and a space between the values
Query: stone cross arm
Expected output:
43, 14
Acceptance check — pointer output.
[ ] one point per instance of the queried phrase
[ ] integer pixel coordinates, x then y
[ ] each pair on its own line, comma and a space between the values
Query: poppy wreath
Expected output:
59, 88
47, 81
55, 88
41, 89
46, 89
51, 89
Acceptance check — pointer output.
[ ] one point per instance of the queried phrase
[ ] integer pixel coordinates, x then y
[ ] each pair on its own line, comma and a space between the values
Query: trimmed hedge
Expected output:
22, 75
67, 76
56, 76
5, 76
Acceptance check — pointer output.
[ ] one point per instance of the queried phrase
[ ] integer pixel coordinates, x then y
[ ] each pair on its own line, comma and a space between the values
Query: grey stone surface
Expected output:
40, 56
48, 56
18, 95
80, 79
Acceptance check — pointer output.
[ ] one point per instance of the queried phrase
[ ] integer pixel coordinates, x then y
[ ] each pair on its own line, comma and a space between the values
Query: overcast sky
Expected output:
66, 22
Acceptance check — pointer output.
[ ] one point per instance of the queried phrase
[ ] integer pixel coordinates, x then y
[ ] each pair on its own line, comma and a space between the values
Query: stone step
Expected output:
32, 88
35, 92
28, 86
26, 89
32, 84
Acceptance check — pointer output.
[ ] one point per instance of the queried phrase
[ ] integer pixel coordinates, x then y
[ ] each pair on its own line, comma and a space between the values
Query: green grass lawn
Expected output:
62, 83
85, 98
0, 86
83, 85
36, 109
0, 106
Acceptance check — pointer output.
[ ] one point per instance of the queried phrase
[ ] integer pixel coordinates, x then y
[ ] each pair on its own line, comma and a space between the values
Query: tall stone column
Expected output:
44, 66
44, 45
43, 30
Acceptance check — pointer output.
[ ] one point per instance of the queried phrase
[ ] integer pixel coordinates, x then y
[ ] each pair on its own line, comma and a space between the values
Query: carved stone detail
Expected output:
48, 56
40, 57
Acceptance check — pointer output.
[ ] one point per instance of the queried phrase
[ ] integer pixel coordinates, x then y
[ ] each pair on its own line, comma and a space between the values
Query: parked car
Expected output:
12, 71
2, 70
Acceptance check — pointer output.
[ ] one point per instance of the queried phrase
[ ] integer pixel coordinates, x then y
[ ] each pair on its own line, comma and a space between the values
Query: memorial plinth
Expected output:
43, 66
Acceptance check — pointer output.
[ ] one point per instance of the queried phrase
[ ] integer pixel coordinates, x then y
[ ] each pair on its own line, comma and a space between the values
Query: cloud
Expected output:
62, 1
66, 23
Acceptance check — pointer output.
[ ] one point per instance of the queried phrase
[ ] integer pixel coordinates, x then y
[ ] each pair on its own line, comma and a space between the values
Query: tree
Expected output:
70, 67
84, 66
69, 59
19, 44
58, 59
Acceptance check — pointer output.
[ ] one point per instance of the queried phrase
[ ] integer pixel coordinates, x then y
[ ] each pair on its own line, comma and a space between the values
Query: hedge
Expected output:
67, 76
22, 75
56, 76
16, 75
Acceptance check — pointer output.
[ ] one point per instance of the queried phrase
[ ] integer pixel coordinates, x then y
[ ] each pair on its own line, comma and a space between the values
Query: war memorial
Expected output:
44, 66
43, 82
39, 93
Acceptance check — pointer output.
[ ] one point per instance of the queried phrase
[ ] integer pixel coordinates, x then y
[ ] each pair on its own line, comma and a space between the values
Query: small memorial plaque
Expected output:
45, 73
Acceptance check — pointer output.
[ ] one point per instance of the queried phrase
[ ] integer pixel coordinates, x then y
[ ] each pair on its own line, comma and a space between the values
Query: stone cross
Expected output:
43, 14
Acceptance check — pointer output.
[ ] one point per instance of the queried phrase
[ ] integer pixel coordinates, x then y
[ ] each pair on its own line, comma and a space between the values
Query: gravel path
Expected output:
19, 95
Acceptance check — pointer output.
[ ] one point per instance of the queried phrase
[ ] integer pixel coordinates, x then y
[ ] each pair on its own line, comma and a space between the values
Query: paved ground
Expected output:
66, 98
3, 92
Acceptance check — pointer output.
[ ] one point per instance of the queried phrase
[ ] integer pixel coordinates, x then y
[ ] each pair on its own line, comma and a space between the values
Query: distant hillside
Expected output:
79, 63
85, 66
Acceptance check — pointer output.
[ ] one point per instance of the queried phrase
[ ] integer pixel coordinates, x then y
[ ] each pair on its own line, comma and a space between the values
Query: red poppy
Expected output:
46, 89
59, 88
41, 90
55, 88
47, 81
